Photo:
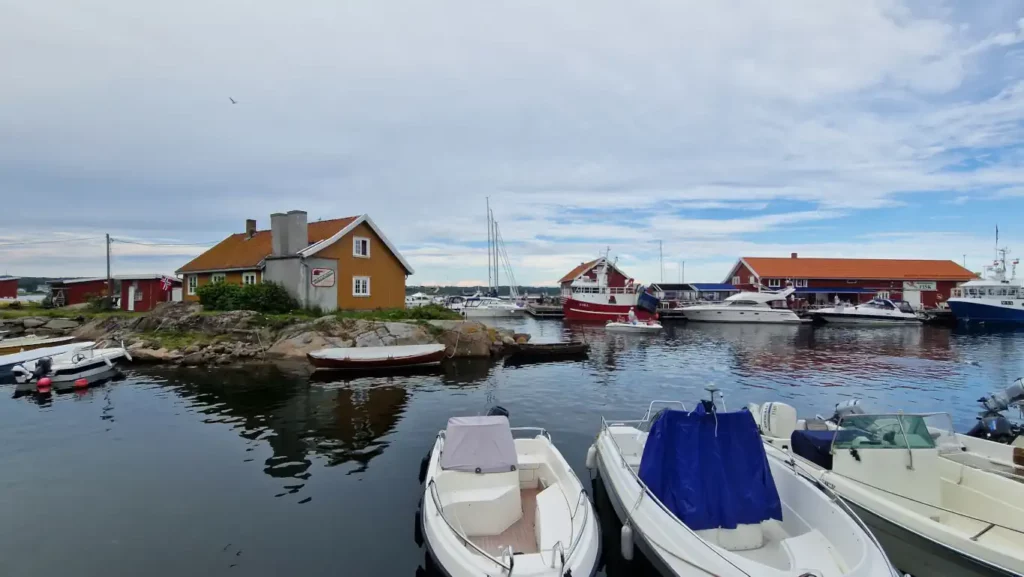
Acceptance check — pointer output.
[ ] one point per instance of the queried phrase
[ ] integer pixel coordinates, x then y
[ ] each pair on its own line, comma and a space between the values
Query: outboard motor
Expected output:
993, 428
846, 409
43, 367
497, 411
1001, 401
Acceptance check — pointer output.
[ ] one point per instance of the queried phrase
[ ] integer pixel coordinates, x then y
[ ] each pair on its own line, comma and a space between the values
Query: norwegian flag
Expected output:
166, 283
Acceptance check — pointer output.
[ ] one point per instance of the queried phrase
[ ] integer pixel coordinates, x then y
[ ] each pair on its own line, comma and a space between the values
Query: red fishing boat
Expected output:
599, 291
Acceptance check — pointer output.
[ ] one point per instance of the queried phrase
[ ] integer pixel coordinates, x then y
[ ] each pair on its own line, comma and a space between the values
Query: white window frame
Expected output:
752, 279
355, 286
774, 282
356, 243
247, 277
193, 284
735, 280
882, 294
800, 283
218, 277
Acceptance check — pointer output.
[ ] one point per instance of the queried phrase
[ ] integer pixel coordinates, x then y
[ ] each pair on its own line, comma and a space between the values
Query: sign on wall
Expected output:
912, 285
322, 277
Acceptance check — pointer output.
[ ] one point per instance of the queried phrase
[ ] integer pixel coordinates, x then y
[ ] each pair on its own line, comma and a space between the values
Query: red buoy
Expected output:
43, 385
81, 383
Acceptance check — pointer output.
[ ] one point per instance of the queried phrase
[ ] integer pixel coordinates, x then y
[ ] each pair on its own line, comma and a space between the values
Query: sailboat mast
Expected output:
494, 235
490, 269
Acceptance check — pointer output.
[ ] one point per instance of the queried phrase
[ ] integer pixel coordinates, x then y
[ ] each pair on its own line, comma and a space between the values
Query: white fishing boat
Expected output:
701, 495
642, 327
919, 488
498, 505
70, 366
745, 307
490, 307
873, 312
418, 300
7, 362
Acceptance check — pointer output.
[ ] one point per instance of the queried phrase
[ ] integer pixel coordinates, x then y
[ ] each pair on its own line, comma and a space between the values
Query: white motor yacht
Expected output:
873, 312
489, 307
418, 300
918, 487
745, 307
498, 505
701, 495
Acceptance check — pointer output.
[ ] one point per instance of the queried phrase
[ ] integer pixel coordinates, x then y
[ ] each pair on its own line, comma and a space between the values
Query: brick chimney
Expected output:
250, 227
792, 255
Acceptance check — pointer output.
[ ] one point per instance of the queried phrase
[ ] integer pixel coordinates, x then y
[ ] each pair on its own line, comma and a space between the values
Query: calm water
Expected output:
208, 473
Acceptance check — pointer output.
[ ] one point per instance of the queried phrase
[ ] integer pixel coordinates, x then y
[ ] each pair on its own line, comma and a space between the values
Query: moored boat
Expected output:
545, 351
745, 307
7, 362
998, 299
642, 327
599, 291
934, 510
66, 368
27, 343
874, 312
494, 504
364, 358
700, 494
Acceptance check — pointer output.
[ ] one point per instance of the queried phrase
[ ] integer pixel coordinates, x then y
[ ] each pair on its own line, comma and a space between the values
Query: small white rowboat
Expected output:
377, 357
637, 327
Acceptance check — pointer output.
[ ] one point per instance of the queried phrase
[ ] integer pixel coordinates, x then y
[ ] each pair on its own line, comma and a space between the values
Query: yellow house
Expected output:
343, 263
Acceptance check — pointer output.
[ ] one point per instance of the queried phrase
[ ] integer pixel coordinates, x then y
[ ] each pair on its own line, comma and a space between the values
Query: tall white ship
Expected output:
998, 299
745, 307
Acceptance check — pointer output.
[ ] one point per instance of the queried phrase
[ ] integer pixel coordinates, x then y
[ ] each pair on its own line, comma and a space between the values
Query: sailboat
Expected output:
490, 305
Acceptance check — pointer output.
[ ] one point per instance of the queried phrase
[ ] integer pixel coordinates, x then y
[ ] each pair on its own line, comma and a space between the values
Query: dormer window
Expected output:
361, 247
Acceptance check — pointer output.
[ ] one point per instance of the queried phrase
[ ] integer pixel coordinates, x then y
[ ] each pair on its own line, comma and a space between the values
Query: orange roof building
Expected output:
922, 283
342, 263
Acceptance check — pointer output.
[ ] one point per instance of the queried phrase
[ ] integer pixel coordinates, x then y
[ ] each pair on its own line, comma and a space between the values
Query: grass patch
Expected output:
172, 340
424, 313
35, 310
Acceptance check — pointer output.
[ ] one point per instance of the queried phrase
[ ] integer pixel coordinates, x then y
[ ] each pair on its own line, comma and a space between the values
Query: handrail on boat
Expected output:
462, 537
542, 430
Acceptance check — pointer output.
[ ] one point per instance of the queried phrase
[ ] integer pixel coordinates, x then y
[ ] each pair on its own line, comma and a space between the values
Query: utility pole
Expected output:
965, 261
110, 280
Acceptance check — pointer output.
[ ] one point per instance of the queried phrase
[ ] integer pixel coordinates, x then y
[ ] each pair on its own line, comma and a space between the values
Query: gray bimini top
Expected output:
479, 445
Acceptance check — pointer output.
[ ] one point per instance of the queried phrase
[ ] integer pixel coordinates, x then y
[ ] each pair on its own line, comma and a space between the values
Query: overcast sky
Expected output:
723, 128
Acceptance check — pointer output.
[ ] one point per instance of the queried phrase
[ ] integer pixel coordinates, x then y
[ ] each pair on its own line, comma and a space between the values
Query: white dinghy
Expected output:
935, 504
66, 368
495, 505
642, 327
701, 495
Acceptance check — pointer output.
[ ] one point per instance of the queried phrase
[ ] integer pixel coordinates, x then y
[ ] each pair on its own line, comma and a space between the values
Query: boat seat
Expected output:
553, 522
482, 504
812, 553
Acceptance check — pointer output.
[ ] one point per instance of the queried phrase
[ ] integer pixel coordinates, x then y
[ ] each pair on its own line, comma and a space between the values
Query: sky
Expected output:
708, 130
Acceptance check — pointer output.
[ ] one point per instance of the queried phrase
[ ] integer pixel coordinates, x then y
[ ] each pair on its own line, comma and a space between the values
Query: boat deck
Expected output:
521, 535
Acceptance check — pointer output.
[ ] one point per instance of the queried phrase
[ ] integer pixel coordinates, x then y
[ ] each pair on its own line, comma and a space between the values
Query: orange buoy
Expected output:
81, 383
43, 385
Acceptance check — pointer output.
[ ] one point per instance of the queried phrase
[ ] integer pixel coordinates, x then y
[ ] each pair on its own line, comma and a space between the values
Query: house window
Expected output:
360, 286
735, 280
361, 247
217, 277
193, 283
800, 283
882, 294
138, 293
752, 279
248, 278
774, 282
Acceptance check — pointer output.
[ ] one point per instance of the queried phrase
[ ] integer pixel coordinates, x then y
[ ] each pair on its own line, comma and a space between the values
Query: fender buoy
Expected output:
423, 467
627, 542
43, 385
81, 383
592, 458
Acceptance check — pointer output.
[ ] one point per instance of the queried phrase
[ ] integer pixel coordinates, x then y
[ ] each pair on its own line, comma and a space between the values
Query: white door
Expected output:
913, 298
131, 297
176, 294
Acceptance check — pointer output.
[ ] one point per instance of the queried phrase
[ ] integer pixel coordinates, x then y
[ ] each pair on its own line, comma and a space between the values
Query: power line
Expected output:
30, 242
122, 241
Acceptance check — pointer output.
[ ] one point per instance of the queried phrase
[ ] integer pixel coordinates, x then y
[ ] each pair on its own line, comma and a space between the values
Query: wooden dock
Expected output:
545, 311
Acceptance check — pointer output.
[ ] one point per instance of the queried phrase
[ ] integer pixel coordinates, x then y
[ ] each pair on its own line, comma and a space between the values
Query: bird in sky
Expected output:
232, 100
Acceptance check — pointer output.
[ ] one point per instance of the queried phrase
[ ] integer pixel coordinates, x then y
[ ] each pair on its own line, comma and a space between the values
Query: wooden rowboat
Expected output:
10, 346
364, 358
549, 350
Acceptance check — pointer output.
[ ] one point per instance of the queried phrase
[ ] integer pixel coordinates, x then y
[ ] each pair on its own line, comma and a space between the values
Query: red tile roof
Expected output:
238, 252
582, 268
857, 268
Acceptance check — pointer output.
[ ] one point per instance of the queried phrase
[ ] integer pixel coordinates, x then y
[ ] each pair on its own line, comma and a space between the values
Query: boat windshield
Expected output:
906, 308
884, 432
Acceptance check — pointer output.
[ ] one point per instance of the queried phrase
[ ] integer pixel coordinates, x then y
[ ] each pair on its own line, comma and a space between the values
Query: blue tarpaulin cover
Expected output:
710, 470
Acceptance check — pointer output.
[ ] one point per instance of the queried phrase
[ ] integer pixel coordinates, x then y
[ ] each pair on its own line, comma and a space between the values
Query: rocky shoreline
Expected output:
184, 334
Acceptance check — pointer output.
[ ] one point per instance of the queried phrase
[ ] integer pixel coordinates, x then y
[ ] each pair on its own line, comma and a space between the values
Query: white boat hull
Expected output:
490, 313
639, 328
714, 314
458, 559
864, 320
93, 374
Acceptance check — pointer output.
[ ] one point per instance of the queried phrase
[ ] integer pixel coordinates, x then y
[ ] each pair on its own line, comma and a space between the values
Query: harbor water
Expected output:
200, 472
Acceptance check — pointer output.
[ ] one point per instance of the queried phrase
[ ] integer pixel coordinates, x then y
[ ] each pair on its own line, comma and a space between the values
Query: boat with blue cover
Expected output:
701, 494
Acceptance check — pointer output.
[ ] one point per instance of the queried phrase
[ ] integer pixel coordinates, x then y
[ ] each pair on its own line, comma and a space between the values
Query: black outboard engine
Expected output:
993, 428
43, 367
497, 411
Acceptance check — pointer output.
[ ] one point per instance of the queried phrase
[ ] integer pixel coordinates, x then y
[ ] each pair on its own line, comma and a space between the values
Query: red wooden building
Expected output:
922, 283
142, 293
8, 287
76, 291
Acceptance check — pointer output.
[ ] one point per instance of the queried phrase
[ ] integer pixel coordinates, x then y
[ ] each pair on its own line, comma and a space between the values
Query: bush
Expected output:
266, 297
424, 313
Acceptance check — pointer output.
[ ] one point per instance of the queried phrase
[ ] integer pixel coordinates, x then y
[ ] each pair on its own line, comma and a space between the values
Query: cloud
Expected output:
711, 126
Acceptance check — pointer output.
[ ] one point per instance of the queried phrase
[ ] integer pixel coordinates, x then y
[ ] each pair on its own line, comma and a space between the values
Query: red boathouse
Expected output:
76, 291
921, 283
142, 293
8, 287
